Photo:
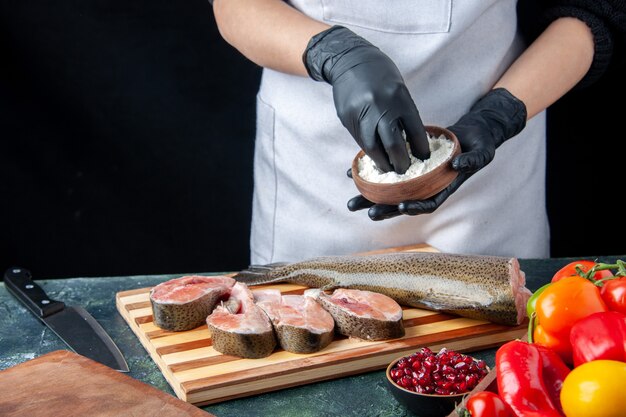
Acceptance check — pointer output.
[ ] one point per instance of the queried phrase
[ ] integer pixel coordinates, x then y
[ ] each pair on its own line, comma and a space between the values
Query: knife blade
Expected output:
73, 324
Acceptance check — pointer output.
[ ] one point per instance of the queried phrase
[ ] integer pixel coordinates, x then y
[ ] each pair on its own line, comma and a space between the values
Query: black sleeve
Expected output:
605, 18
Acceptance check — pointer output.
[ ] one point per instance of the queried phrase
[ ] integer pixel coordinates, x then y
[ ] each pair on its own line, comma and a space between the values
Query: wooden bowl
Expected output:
425, 405
418, 188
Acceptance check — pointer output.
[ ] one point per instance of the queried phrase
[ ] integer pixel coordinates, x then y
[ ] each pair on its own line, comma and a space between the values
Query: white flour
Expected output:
440, 149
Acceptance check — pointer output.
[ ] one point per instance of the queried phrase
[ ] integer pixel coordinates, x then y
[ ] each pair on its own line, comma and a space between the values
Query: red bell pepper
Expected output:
554, 373
529, 379
599, 336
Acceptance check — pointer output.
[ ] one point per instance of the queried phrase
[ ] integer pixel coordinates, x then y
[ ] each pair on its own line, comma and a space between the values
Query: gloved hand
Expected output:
370, 97
496, 117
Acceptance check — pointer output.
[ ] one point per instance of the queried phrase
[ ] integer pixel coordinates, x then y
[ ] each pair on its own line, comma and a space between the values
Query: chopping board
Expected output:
200, 375
63, 383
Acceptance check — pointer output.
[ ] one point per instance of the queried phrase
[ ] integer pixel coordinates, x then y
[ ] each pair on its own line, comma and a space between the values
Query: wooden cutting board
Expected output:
66, 384
200, 375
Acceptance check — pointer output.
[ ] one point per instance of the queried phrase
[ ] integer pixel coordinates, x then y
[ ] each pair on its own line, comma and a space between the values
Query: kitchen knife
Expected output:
74, 325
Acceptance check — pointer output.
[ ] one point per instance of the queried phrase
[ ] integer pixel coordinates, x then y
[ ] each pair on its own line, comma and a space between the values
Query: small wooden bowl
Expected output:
423, 405
428, 405
418, 188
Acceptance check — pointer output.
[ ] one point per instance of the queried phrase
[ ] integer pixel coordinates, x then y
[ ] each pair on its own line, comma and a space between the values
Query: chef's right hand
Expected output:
370, 96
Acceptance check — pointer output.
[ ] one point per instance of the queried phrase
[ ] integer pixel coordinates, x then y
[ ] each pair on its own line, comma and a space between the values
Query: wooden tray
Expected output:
200, 375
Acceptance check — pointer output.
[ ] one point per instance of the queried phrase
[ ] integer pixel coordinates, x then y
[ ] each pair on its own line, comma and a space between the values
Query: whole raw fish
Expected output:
481, 287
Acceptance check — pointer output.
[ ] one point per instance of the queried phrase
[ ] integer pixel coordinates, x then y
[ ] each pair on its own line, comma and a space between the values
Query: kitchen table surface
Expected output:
23, 337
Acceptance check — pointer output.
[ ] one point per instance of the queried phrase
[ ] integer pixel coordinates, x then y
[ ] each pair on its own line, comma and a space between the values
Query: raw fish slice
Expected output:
184, 303
266, 296
301, 324
364, 314
246, 333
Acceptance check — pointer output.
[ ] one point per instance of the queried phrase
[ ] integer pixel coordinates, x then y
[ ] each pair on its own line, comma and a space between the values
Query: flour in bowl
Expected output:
440, 149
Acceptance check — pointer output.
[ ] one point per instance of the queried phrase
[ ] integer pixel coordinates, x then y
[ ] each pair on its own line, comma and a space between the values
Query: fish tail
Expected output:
259, 274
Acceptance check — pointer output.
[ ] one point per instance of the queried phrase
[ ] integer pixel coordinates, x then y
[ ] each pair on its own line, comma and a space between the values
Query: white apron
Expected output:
450, 53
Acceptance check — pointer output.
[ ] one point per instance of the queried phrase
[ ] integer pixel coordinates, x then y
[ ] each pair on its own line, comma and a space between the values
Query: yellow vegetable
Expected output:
595, 389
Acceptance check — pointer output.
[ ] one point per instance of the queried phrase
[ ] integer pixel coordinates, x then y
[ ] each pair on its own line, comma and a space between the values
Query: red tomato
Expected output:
487, 404
570, 269
614, 294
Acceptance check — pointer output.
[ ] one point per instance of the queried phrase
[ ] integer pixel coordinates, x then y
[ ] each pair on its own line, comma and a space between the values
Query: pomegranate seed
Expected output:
472, 380
461, 365
405, 381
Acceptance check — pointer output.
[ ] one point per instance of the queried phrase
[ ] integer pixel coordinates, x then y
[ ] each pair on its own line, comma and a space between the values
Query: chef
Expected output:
342, 75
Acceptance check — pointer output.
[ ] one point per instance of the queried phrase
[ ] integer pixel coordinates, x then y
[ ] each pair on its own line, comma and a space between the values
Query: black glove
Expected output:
370, 96
495, 118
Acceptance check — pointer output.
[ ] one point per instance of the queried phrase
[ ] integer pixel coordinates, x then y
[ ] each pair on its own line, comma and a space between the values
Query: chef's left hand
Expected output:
496, 117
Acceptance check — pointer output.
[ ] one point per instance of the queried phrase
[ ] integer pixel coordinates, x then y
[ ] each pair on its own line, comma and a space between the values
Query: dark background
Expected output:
127, 133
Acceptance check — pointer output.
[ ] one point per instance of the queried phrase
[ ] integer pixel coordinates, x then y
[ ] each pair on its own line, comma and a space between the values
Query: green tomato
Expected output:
531, 305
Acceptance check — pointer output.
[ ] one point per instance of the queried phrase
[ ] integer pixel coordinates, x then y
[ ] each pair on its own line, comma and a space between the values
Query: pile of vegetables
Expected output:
574, 362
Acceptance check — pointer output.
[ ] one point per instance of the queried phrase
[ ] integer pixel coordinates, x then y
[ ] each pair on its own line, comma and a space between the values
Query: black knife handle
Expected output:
19, 282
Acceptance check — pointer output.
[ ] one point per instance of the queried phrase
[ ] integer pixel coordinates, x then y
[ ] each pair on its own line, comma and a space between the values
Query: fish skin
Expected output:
350, 324
481, 287
243, 345
299, 340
